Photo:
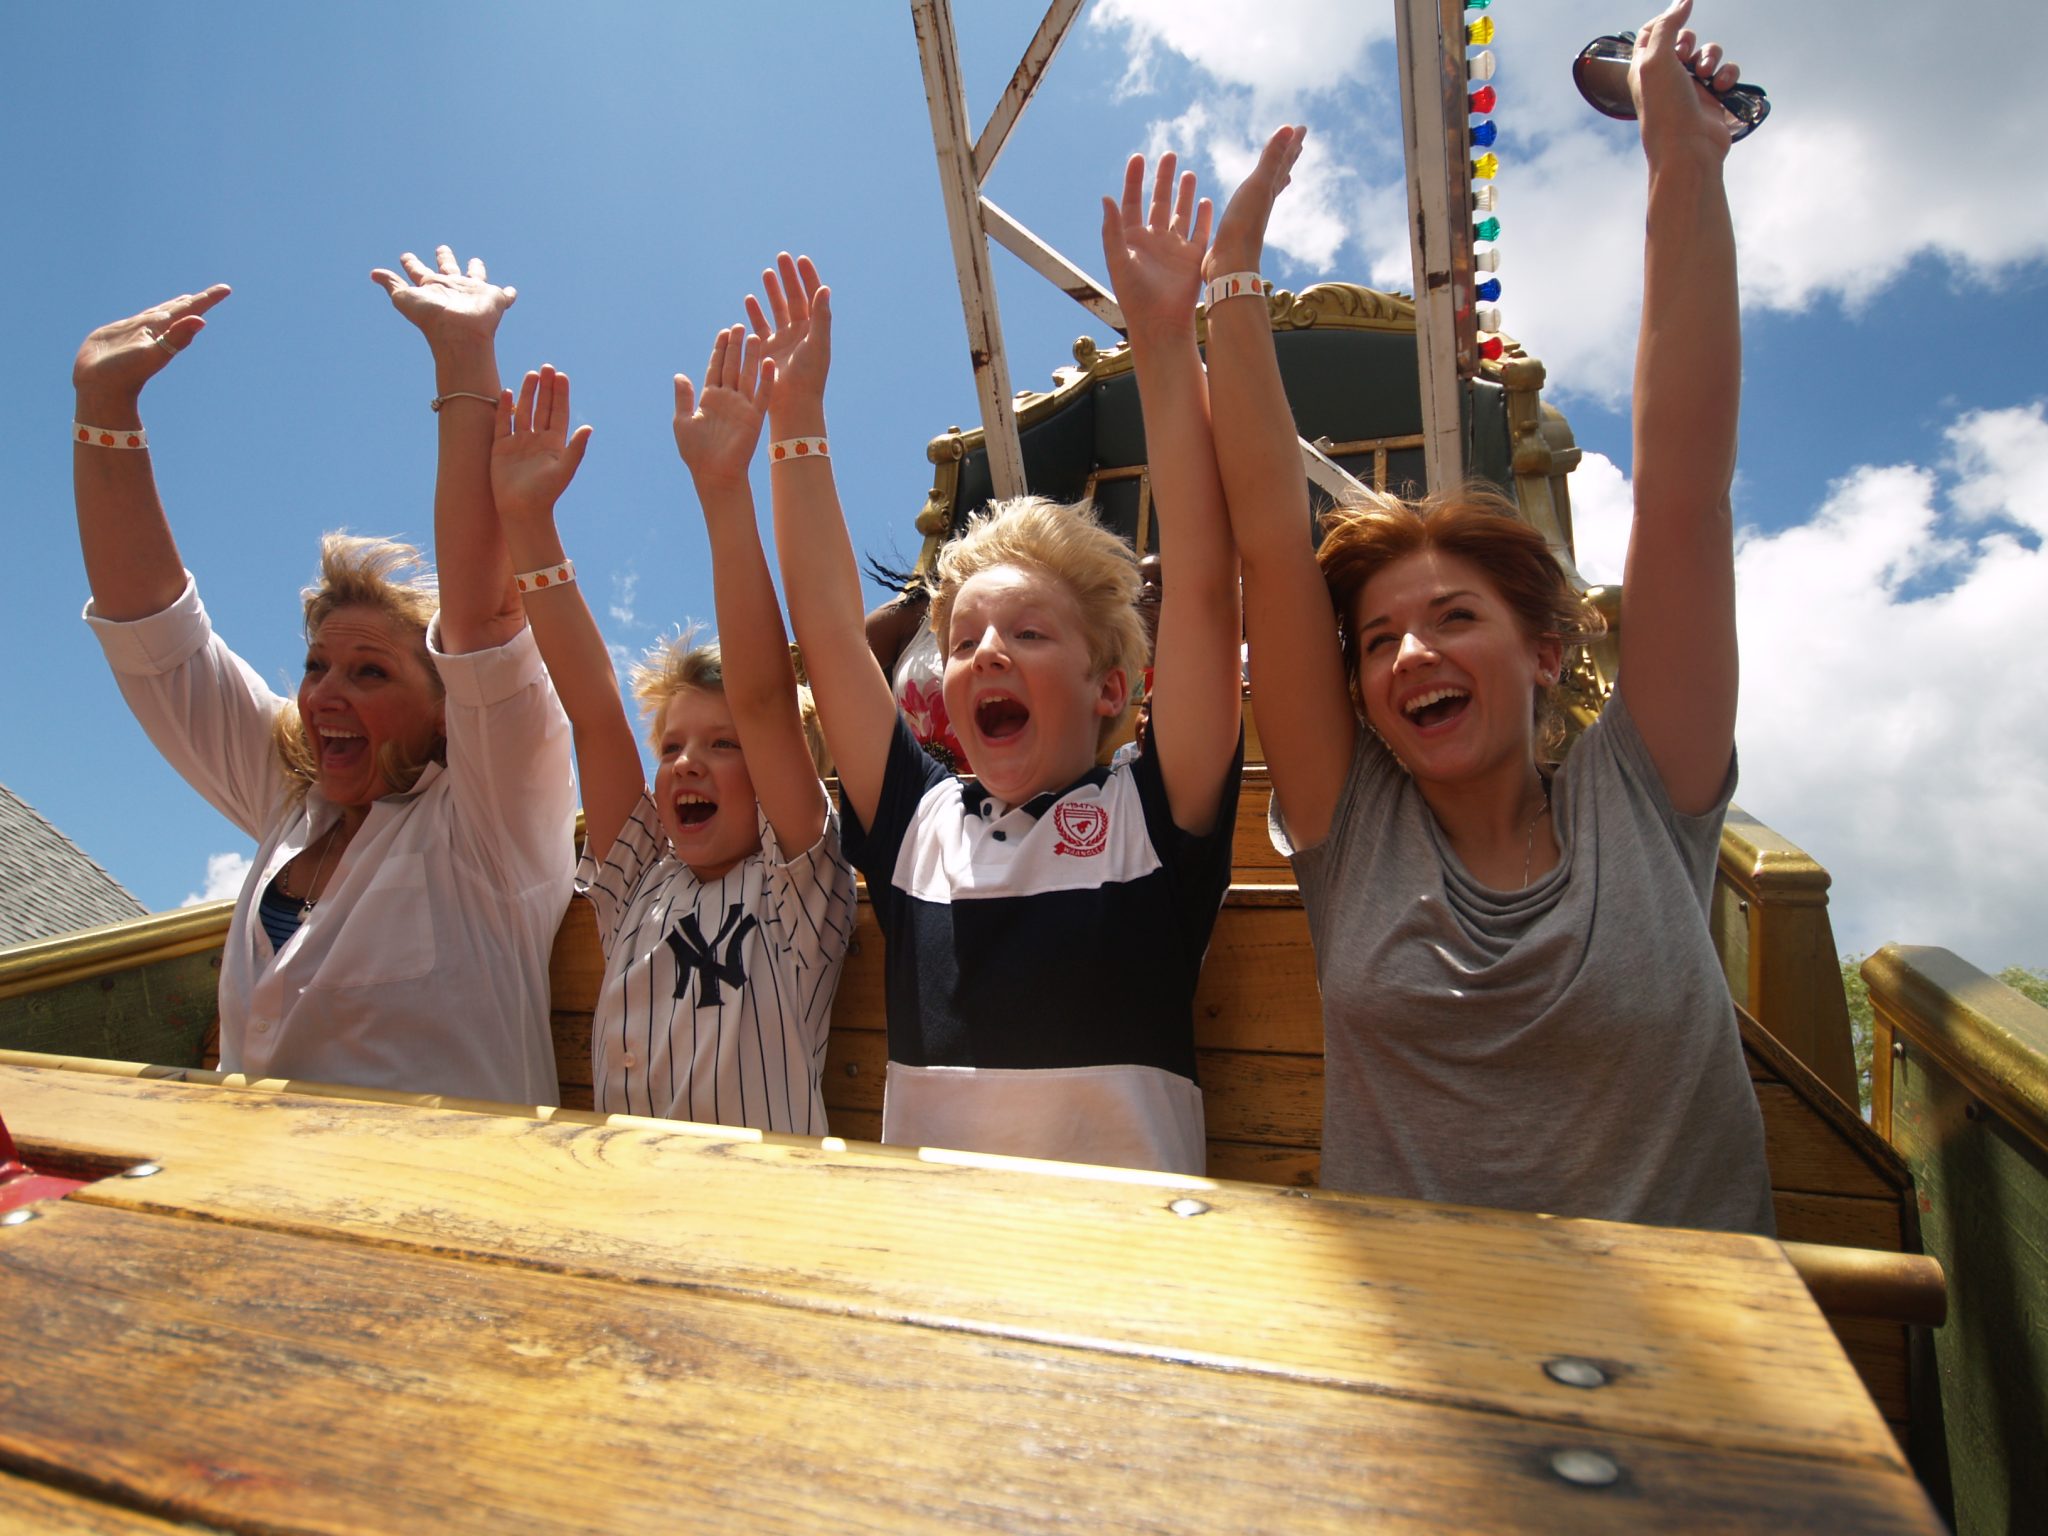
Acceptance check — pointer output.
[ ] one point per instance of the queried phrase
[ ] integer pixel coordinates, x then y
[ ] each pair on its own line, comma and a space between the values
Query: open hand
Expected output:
446, 302
718, 432
800, 343
1241, 233
116, 360
1155, 261
1675, 81
534, 456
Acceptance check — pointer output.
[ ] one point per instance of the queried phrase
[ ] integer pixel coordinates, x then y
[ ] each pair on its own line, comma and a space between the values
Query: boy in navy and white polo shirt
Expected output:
1046, 920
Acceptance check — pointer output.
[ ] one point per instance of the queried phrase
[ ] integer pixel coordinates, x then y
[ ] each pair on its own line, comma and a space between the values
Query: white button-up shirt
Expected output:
424, 965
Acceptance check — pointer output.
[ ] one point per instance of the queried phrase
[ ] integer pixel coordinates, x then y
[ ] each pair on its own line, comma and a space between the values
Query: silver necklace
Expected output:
306, 901
1529, 850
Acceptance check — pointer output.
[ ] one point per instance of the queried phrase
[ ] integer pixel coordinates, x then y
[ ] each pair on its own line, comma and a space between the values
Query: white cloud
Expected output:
1894, 717
225, 873
1602, 505
1915, 150
1316, 44
624, 588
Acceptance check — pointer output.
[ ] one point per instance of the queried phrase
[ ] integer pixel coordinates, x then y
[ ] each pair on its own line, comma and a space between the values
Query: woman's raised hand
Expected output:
1241, 232
115, 361
446, 302
1675, 80
717, 432
799, 344
1155, 259
534, 456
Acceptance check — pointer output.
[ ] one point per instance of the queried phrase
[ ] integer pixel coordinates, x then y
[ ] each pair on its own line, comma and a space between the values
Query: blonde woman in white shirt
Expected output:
412, 803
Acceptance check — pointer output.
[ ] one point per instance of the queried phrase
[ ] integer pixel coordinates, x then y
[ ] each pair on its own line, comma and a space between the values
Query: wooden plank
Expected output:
576, 966
28, 1504
1878, 1351
1251, 845
572, 1047
159, 1010
1982, 1187
278, 1382
1805, 1153
1263, 1097
1251, 1163
1712, 1337
1841, 1221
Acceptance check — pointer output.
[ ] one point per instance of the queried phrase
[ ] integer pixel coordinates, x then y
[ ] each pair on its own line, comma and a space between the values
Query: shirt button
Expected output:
1000, 835
629, 1060
263, 1026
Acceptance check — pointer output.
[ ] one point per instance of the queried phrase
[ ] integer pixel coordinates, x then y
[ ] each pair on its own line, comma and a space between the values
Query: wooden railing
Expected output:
1770, 923
1961, 1090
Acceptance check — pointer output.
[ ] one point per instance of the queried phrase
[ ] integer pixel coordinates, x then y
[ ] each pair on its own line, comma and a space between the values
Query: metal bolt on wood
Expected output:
1587, 1469
142, 1170
1573, 1372
1187, 1207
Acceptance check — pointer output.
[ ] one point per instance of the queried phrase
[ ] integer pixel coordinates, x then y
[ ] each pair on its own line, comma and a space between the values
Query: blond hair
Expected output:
1370, 530
1067, 543
364, 572
673, 664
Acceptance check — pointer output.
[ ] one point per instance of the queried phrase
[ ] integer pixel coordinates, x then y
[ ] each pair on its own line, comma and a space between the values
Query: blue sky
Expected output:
630, 167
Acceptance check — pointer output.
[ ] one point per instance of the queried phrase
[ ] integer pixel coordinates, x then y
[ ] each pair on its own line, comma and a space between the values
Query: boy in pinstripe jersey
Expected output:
723, 900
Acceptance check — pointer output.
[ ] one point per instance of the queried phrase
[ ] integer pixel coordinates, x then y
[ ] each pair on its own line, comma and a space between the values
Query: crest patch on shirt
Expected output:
1083, 827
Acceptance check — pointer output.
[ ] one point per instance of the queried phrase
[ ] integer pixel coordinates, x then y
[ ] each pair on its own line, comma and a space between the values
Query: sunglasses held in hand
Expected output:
1601, 74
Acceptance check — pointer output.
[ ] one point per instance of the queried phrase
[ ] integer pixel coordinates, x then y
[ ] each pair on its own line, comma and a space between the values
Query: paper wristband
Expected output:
109, 437
550, 576
1233, 285
798, 448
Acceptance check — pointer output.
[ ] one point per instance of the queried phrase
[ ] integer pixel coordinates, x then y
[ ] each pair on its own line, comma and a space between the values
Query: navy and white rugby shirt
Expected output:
1041, 961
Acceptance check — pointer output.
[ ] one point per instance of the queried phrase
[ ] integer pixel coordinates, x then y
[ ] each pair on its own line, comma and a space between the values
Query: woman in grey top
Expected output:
1521, 1002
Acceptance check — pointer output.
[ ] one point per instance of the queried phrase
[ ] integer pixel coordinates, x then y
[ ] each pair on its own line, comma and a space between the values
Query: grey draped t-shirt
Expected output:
1569, 1048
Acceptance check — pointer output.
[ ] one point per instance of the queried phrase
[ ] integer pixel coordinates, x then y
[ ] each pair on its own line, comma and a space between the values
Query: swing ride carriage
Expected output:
271, 1305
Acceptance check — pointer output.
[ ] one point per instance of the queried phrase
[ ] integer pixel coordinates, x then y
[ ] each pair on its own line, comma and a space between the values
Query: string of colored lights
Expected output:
1479, 69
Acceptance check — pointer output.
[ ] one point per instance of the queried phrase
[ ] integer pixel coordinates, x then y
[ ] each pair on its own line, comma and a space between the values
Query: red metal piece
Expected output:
21, 1184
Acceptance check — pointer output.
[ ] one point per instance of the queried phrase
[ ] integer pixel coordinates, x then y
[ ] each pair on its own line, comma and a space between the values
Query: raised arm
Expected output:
1155, 263
131, 560
716, 433
458, 312
533, 459
1306, 720
1678, 656
820, 577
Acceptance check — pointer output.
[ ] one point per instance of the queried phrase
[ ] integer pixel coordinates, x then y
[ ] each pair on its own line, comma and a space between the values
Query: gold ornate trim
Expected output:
117, 947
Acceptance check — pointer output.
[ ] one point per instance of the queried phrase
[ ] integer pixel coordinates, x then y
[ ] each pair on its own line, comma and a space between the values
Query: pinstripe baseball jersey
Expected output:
717, 997
1041, 961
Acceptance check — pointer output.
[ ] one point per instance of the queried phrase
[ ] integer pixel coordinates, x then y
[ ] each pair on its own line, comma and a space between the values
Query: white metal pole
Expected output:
1432, 56
961, 189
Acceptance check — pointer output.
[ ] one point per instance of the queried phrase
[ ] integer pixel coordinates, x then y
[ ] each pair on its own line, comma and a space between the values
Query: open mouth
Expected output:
999, 717
340, 748
694, 810
1436, 707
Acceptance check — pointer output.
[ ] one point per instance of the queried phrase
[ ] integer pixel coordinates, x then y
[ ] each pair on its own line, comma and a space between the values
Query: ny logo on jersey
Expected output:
696, 958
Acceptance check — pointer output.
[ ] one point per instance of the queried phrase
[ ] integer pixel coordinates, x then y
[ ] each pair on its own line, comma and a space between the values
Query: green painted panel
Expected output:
1983, 1196
159, 1013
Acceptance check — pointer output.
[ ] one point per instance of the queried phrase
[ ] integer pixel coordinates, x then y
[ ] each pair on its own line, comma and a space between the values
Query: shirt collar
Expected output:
977, 801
